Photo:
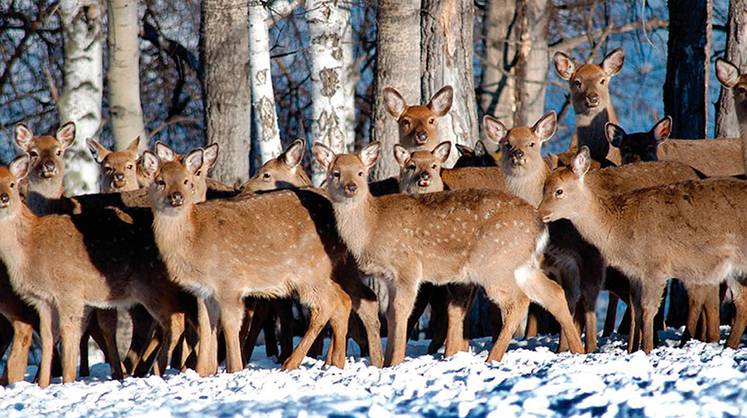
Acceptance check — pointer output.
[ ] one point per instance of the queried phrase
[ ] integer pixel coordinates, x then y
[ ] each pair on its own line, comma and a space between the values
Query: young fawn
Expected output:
703, 301
287, 243
118, 168
417, 123
284, 172
590, 96
482, 237
697, 250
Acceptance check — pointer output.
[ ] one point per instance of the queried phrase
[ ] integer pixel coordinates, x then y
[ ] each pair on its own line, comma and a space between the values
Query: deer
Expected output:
477, 237
703, 301
697, 250
590, 96
733, 80
283, 172
417, 123
188, 236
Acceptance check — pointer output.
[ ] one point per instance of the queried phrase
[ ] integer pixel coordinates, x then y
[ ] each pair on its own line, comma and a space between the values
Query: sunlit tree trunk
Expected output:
727, 125
80, 99
532, 60
498, 80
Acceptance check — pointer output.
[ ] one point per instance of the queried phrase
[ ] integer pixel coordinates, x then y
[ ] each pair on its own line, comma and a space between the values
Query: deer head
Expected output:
639, 146
347, 174
118, 168
10, 198
174, 184
283, 172
589, 83
420, 171
564, 194
520, 146
729, 76
417, 123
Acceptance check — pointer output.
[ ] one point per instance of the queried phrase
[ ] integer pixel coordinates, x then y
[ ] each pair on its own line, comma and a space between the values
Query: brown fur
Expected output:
118, 171
417, 123
466, 232
621, 226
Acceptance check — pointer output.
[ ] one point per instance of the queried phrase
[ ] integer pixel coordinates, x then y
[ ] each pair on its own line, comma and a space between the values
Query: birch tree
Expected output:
532, 60
224, 52
328, 20
736, 52
497, 88
446, 59
398, 66
263, 95
82, 90
124, 73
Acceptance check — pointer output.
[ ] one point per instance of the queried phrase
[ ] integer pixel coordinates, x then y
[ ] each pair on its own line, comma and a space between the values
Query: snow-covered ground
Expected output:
699, 380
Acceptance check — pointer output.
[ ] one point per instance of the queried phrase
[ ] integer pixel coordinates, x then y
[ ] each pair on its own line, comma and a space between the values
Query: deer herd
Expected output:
195, 262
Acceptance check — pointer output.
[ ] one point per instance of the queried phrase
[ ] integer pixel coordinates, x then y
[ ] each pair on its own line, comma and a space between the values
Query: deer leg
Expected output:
458, 301
339, 324
512, 306
106, 319
47, 338
712, 315
72, 325
85, 369
422, 300
550, 295
740, 315
231, 315
207, 318
695, 307
319, 315
533, 316
366, 306
268, 329
23, 335
650, 300
284, 311
611, 316
401, 299
143, 328
255, 313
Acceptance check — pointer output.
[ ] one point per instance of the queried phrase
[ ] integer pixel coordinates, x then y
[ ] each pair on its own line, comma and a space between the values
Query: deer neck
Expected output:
15, 241
597, 219
526, 184
590, 132
355, 222
43, 194
175, 235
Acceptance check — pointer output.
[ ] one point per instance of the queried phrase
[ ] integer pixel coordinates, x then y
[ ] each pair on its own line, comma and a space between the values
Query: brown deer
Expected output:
696, 249
284, 172
482, 237
417, 123
118, 168
590, 96
477, 157
110, 270
643, 146
288, 244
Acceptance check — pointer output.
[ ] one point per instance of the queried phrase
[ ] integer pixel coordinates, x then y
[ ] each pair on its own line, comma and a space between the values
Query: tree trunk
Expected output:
497, 91
224, 52
80, 100
446, 59
328, 20
727, 125
532, 61
124, 74
352, 76
686, 85
263, 95
398, 66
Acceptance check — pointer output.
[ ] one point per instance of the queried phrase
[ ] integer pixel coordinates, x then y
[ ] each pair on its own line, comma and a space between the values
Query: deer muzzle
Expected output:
517, 157
350, 189
48, 169
4, 200
176, 199
424, 180
421, 138
592, 101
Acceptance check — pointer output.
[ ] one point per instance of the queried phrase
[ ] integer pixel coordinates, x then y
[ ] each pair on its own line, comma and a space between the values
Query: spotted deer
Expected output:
697, 250
481, 237
417, 123
703, 301
287, 243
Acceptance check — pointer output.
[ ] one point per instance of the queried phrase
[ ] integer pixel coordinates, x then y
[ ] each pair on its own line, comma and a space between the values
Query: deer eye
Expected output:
559, 193
33, 154
434, 166
58, 152
336, 174
360, 174
602, 81
432, 121
531, 144
406, 123
576, 84
12, 185
186, 181
266, 176
130, 166
160, 183
198, 173
741, 90
411, 167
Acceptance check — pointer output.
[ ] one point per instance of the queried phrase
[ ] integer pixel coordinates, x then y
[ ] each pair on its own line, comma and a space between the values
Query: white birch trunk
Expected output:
328, 20
351, 79
80, 100
124, 73
263, 95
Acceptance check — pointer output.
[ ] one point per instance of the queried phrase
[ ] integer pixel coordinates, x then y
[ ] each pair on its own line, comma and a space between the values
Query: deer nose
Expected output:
176, 199
518, 153
592, 100
421, 137
49, 167
4, 198
425, 176
350, 188
119, 176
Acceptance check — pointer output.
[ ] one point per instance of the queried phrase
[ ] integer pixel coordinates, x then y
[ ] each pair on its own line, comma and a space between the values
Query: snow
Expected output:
697, 380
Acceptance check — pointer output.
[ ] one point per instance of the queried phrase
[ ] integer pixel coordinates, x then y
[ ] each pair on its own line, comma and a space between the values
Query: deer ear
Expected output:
98, 151
442, 151
727, 73
394, 102
614, 134
164, 152
440, 103
564, 65
581, 162
24, 136
370, 154
210, 155
323, 155
480, 148
662, 129
465, 151
134, 145
19, 167
495, 131
401, 154
293, 156
194, 160
613, 62
149, 164
545, 128
66, 134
